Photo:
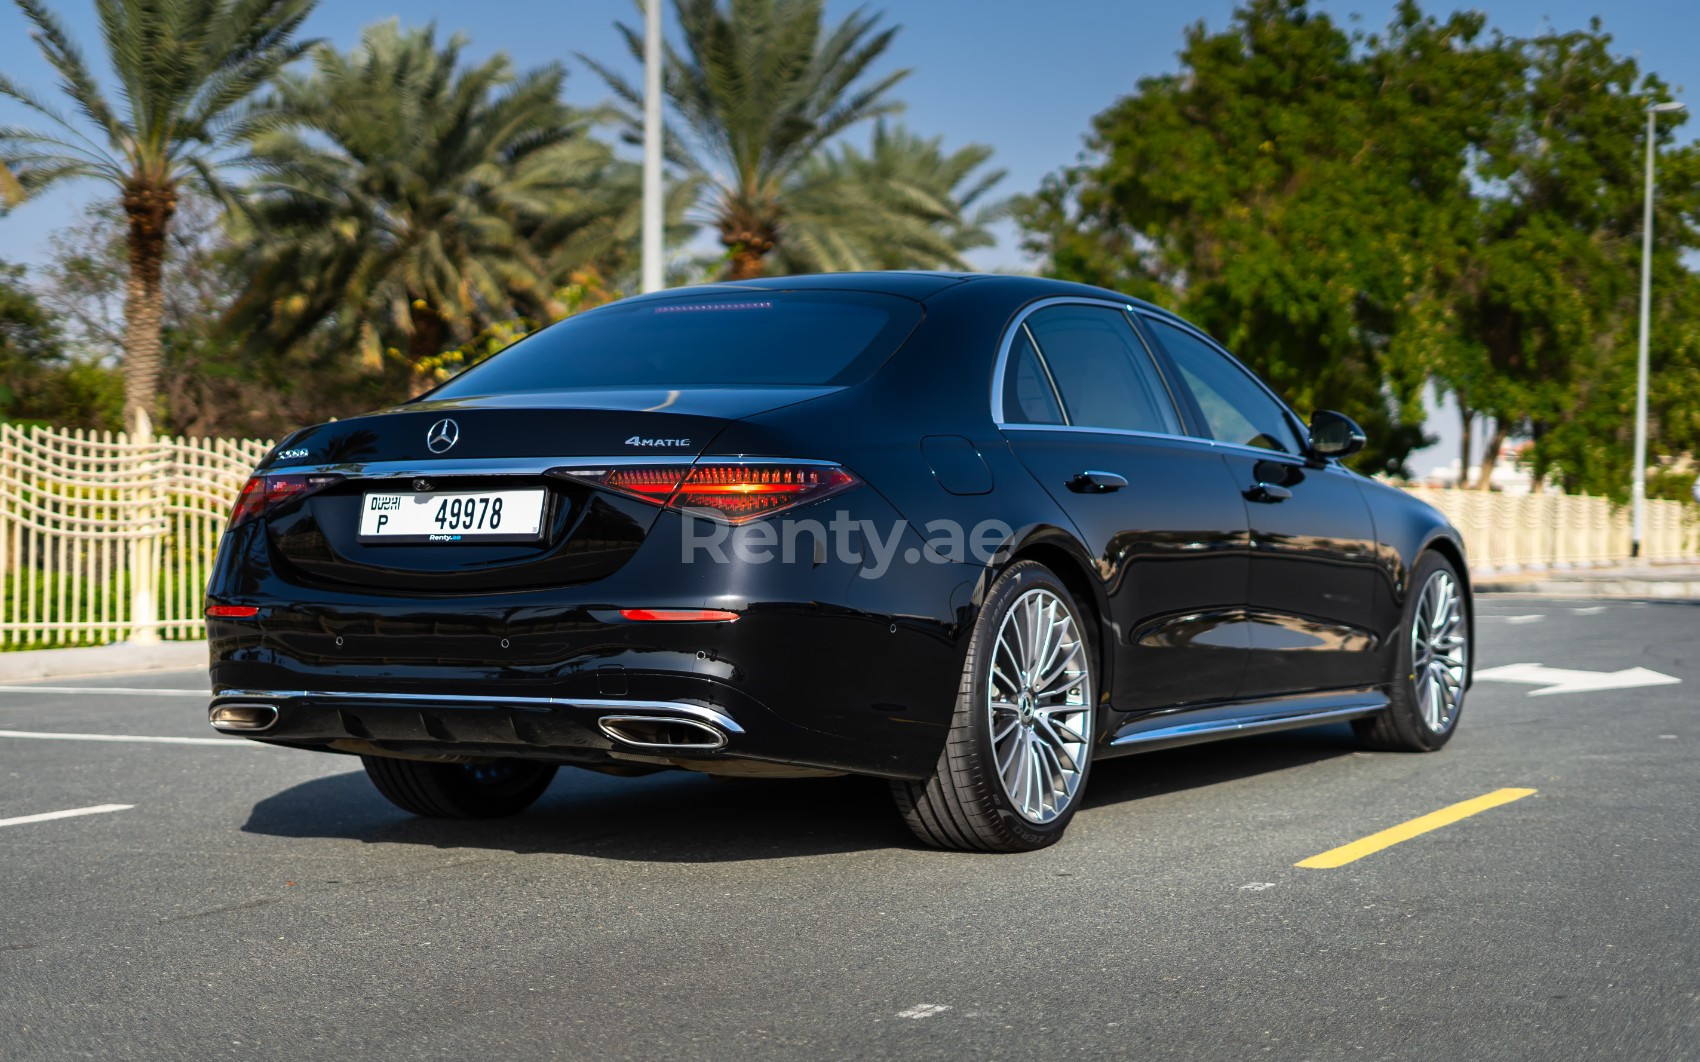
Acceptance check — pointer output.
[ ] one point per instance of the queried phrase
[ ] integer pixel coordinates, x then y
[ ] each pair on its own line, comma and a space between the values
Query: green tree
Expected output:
1550, 291
761, 91
409, 199
39, 382
187, 70
917, 206
1285, 190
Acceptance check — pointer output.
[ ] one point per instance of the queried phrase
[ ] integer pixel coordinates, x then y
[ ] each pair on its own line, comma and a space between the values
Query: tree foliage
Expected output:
409, 199
1357, 214
186, 70
761, 94
40, 382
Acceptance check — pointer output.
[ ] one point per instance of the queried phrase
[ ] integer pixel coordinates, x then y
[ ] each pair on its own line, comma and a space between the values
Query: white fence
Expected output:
104, 539
1506, 532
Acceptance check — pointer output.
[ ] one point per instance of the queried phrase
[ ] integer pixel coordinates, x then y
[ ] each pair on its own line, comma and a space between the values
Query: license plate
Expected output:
465, 516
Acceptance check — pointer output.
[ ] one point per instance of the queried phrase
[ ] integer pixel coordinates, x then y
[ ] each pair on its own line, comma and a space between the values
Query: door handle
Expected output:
1096, 482
1268, 493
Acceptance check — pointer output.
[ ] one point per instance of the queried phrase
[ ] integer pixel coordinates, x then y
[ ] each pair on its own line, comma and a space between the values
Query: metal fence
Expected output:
106, 539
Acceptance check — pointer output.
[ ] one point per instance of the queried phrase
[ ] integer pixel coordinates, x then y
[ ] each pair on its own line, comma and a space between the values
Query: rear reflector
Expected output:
232, 611
678, 615
733, 491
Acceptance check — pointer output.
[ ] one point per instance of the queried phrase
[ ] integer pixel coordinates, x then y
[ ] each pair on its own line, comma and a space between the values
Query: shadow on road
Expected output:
686, 818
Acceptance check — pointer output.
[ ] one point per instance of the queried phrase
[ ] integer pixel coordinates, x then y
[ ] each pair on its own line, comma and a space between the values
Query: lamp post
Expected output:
1638, 489
653, 278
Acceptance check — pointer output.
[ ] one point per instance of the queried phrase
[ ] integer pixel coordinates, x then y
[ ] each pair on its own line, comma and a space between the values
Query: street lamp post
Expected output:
653, 276
1638, 489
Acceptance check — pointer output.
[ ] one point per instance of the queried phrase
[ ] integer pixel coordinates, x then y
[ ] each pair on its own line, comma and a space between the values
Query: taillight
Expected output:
262, 494
734, 491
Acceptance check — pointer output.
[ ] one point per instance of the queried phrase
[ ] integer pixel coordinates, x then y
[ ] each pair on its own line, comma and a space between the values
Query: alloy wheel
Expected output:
1439, 651
1039, 698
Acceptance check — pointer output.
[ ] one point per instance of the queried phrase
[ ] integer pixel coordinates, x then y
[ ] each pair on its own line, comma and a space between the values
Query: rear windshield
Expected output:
810, 338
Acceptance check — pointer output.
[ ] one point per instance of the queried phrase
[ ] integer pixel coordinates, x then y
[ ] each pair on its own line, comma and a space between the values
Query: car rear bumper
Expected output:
583, 730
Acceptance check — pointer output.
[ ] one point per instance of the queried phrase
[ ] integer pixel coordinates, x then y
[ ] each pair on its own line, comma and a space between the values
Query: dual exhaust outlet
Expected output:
638, 730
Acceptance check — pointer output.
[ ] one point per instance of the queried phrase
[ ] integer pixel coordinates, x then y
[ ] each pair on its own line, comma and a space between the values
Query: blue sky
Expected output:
1022, 76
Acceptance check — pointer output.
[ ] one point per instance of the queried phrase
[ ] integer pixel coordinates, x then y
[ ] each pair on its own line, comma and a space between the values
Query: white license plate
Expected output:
483, 516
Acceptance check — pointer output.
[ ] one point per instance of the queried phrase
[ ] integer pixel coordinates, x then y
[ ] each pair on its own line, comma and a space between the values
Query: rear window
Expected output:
812, 338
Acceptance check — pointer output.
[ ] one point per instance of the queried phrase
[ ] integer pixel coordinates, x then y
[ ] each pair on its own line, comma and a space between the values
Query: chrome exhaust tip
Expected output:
662, 732
247, 717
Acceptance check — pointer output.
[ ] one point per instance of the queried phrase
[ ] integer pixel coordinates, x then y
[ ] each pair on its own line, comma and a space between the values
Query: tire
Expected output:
459, 790
968, 803
1432, 670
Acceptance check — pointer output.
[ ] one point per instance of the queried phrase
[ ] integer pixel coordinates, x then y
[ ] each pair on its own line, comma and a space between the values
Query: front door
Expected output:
1313, 562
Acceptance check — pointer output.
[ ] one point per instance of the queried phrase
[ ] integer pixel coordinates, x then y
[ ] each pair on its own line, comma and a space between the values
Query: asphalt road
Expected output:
256, 902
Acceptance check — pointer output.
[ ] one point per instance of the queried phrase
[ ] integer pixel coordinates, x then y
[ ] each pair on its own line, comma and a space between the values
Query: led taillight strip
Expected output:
733, 491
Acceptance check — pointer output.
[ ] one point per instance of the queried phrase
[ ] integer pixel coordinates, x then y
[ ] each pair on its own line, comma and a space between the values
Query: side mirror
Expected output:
1334, 434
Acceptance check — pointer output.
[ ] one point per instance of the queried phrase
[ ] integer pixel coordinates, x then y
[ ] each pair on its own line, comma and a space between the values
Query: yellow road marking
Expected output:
1434, 820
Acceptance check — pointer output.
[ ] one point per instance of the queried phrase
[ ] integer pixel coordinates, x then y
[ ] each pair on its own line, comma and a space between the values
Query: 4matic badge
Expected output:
638, 440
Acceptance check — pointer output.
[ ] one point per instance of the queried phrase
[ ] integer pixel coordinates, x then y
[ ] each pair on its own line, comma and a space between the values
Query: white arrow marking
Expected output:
1562, 680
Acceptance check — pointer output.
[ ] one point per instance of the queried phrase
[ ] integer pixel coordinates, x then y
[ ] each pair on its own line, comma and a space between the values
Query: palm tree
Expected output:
409, 200
905, 204
186, 69
761, 88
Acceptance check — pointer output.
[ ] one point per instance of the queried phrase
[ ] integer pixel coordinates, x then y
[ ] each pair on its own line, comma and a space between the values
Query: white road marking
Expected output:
107, 691
48, 816
1533, 617
1667, 737
919, 1010
1562, 680
1591, 610
1257, 886
50, 736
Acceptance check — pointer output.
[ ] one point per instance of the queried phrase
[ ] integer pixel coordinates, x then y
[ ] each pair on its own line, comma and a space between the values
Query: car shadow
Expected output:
677, 817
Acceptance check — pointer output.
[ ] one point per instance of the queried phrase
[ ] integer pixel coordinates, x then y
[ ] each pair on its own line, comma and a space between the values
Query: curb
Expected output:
1672, 590
101, 660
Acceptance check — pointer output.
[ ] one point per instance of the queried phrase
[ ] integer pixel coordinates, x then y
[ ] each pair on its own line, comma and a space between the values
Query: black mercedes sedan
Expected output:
968, 534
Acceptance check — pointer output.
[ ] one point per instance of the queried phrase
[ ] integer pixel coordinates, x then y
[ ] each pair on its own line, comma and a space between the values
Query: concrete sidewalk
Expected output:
101, 660
1658, 581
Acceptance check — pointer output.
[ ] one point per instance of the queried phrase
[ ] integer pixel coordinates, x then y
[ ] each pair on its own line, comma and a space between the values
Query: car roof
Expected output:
921, 285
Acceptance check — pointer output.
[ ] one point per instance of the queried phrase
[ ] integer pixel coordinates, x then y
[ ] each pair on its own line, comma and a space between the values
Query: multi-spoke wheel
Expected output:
1036, 698
1427, 691
1019, 749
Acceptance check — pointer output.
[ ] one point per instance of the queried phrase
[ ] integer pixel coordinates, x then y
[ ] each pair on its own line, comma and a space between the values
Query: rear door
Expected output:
1313, 572
1087, 412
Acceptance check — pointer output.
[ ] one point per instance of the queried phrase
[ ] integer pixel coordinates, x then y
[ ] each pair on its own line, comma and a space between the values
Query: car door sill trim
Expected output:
1182, 733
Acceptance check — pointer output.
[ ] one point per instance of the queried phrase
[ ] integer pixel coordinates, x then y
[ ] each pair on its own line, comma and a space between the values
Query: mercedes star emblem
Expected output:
443, 434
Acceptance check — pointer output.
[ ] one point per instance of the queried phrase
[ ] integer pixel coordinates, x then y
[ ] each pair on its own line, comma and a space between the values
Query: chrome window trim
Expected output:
1020, 325
693, 711
518, 466
1002, 364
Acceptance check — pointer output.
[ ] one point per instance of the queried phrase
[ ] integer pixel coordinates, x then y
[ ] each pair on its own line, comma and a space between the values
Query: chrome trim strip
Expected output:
1245, 727
692, 711
519, 466
1020, 322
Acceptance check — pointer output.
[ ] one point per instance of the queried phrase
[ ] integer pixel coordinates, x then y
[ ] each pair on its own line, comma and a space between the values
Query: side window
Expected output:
1236, 409
1028, 397
1104, 375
